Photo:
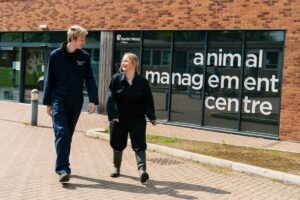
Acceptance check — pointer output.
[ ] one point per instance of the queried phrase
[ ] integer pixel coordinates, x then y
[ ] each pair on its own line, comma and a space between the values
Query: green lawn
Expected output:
271, 159
276, 160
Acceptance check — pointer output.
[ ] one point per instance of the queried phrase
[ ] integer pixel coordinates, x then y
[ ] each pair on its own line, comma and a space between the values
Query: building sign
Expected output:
126, 40
220, 59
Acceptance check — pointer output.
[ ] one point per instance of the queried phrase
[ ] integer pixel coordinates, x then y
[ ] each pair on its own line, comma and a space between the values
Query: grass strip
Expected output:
271, 159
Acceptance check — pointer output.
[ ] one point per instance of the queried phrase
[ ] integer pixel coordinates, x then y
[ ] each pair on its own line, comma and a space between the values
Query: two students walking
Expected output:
129, 100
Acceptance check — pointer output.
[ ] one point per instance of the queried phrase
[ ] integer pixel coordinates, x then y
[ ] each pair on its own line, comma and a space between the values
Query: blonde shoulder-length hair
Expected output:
133, 58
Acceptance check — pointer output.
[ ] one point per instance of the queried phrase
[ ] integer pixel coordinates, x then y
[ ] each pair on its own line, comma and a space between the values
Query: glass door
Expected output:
36, 60
9, 73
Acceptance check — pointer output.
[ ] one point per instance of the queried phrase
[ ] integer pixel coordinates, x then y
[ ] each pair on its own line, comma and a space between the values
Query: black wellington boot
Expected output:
117, 159
141, 163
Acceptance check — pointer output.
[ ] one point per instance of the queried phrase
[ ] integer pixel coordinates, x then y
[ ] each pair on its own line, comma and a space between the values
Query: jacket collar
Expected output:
63, 47
136, 77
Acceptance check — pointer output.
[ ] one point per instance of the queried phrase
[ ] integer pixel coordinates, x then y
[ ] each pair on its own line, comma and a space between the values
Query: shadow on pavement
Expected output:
151, 187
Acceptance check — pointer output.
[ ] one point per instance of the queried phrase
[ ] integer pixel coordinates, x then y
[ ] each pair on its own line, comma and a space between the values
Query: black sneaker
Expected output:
64, 177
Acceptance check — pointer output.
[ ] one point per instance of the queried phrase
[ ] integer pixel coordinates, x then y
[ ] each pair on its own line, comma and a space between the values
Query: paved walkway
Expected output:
27, 160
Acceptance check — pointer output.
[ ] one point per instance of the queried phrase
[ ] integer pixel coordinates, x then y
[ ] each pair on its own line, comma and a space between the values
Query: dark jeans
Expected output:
64, 123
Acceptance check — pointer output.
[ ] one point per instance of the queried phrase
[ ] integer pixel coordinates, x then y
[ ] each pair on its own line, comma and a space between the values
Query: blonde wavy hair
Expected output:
133, 58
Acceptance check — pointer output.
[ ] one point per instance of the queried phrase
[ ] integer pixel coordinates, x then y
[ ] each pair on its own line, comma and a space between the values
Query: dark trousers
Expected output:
64, 123
119, 134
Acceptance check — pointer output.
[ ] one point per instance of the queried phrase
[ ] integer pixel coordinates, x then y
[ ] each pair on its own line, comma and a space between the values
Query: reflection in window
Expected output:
94, 56
11, 37
262, 87
166, 58
272, 59
146, 57
265, 36
10, 67
159, 44
4, 54
156, 57
225, 37
188, 77
45, 37
93, 37
222, 78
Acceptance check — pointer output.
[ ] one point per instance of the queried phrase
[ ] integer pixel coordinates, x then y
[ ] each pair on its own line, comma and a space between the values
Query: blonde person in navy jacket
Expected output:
68, 69
129, 100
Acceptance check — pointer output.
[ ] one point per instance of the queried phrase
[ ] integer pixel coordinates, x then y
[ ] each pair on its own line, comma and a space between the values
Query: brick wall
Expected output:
27, 15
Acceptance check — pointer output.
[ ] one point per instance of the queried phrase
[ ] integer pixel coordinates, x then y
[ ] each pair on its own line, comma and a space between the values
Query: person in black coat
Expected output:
68, 69
129, 100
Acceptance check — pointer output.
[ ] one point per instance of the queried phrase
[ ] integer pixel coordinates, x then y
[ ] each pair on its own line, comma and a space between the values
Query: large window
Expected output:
36, 61
262, 82
158, 45
45, 37
11, 37
229, 80
224, 62
187, 77
10, 66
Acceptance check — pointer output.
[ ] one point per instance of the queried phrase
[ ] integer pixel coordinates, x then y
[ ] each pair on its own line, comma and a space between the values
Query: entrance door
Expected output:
10, 73
35, 63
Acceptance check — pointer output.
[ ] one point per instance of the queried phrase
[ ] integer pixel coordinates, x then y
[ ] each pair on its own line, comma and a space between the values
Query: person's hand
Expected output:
49, 110
154, 122
91, 108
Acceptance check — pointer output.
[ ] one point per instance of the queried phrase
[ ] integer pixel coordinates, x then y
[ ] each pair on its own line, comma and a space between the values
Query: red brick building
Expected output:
167, 35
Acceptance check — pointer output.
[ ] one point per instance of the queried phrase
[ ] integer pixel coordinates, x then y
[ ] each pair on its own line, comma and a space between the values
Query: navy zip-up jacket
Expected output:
129, 101
65, 76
